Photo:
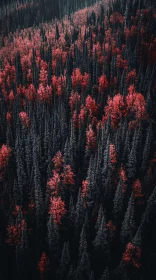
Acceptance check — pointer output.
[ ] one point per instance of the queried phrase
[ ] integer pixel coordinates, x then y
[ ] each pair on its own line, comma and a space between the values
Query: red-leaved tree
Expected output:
124, 178
112, 153
14, 233
132, 255
5, 153
115, 108
43, 265
57, 209
54, 182
58, 161
68, 175
74, 97
103, 83
24, 119
91, 106
91, 138
137, 191
44, 93
84, 188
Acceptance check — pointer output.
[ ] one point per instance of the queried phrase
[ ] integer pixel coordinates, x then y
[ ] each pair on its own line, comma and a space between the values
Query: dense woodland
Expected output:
78, 140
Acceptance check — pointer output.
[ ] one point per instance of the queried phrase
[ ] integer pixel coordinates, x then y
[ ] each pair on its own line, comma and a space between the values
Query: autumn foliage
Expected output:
132, 255
77, 139
43, 264
57, 209
5, 153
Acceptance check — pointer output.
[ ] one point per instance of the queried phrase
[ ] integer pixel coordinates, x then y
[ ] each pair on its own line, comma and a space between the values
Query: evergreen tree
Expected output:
100, 243
128, 225
118, 202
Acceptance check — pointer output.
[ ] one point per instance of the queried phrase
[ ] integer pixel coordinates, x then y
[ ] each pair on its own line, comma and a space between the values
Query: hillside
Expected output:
78, 140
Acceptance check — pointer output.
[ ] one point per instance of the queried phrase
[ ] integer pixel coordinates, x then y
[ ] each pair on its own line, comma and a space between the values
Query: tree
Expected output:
137, 191
103, 83
91, 138
54, 183
128, 225
132, 255
43, 264
5, 153
65, 261
53, 239
83, 269
131, 165
57, 209
118, 202
68, 175
146, 150
100, 243
82, 243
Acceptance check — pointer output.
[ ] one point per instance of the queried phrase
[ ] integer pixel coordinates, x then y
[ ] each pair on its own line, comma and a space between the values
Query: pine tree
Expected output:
118, 202
128, 225
83, 269
105, 275
146, 151
131, 165
53, 239
100, 243
83, 242
64, 263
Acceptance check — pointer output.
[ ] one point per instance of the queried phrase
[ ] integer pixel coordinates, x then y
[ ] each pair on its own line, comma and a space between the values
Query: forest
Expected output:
78, 140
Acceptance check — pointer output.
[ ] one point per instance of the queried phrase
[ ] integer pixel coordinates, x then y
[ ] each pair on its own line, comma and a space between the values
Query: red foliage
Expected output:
59, 84
79, 80
17, 209
58, 161
132, 255
11, 96
116, 109
44, 93
75, 97
14, 233
68, 175
43, 77
24, 119
91, 138
43, 264
82, 115
84, 188
21, 91
124, 178
136, 103
57, 209
30, 92
111, 227
137, 191
131, 32
91, 105
9, 74
9, 117
112, 153
54, 182
117, 18
103, 83
131, 75
5, 153
121, 63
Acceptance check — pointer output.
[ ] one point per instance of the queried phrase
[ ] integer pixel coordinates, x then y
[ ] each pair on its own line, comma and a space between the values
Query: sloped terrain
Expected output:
78, 143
